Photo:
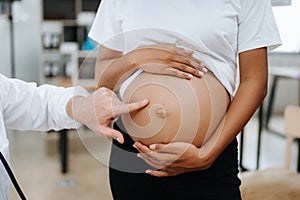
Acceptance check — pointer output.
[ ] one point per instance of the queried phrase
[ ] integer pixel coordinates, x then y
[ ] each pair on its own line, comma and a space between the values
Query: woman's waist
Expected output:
127, 82
168, 81
141, 79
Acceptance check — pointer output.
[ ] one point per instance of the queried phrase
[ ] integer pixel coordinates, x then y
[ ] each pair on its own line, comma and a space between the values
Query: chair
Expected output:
292, 129
276, 183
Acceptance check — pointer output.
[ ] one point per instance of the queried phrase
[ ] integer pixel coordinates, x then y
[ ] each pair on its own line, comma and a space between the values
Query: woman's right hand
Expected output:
168, 60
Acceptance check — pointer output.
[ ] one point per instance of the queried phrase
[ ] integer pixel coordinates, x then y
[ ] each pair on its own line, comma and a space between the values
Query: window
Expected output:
281, 2
287, 18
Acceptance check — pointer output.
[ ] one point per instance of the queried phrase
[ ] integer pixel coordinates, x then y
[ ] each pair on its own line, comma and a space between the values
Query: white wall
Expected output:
4, 47
27, 39
27, 21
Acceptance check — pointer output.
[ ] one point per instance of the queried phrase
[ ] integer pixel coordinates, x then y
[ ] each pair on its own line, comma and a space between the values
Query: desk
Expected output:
291, 72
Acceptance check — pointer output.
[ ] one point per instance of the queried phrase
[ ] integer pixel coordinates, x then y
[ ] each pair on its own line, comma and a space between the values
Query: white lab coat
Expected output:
24, 106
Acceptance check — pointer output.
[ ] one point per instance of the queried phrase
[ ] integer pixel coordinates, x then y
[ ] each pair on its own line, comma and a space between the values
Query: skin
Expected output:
178, 110
108, 105
179, 157
112, 67
253, 83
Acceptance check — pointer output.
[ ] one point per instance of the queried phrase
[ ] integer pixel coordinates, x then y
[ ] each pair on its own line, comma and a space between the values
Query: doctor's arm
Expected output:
176, 158
29, 107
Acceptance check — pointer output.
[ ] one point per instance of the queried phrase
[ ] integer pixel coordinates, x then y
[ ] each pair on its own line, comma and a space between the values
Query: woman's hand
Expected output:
167, 59
99, 109
113, 67
173, 159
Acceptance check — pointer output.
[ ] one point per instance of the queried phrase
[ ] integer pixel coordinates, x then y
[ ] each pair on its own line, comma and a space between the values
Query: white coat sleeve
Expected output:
28, 107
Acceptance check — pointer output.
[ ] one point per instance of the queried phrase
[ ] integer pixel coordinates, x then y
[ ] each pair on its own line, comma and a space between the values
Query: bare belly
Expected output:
179, 109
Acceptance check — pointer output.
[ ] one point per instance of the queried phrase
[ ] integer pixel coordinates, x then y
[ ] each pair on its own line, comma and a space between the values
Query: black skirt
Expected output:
128, 180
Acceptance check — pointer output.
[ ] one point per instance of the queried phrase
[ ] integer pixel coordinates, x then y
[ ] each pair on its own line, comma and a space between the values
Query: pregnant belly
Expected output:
178, 110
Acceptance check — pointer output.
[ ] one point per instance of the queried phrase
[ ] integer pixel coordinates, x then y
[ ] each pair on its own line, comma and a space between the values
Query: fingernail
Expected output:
134, 146
200, 73
152, 146
189, 51
148, 171
118, 140
204, 69
139, 155
190, 76
145, 101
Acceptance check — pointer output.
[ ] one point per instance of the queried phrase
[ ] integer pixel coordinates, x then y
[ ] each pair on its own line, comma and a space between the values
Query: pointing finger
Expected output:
111, 133
126, 108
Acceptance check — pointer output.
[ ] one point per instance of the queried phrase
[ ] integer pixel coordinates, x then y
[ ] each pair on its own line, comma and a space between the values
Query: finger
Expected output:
204, 69
183, 60
176, 49
176, 72
185, 52
111, 133
160, 160
171, 147
167, 68
171, 69
180, 55
189, 52
152, 162
157, 173
199, 62
173, 53
188, 55
142, 148
157, 160
166, 46
179, 69
174, 148
126, 108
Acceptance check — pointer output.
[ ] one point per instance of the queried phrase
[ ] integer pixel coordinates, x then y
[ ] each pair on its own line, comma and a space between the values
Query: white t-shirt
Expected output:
217, 30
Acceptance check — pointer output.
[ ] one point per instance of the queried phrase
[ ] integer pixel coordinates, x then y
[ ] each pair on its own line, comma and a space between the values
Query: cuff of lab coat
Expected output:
71, 92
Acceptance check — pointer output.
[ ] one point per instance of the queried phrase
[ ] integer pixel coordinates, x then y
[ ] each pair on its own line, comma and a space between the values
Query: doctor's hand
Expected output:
167, 59
99, 109
173, 159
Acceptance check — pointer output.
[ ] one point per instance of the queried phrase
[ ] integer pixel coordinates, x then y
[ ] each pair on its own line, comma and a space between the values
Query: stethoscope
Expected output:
12, 177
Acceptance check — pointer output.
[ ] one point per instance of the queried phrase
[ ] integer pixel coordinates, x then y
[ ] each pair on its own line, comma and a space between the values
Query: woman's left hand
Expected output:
172, 159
